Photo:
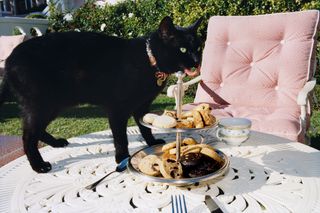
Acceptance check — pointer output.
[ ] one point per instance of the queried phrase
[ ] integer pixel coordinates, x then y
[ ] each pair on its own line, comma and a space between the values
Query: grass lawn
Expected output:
87, 118
74, 121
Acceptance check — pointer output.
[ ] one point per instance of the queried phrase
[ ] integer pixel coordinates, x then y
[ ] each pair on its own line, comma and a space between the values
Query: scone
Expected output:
203, 107
184, 124
170, 113
149, 118
164, 121
198, 123
208, 119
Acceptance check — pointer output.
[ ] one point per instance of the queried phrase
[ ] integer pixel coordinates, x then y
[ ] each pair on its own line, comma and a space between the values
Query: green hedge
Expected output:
135, 18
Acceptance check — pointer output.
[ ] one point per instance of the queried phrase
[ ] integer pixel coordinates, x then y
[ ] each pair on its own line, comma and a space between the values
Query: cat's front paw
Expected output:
42, 167
60, 143
156, 142
121, 156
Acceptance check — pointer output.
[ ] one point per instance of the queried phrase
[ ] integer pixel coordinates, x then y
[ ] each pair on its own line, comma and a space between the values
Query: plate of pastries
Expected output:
198, 163
199, 117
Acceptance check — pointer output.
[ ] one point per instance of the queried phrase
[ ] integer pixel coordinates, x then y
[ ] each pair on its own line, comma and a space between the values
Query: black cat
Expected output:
58, 70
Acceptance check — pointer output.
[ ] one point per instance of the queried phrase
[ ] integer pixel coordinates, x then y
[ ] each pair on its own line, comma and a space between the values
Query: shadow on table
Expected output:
294, 163
86, 158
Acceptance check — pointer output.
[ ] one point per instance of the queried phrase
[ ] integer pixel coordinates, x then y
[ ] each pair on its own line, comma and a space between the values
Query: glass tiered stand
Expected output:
156, 150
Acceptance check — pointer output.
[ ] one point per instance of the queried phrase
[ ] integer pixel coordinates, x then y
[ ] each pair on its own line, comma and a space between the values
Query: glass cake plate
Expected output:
181, 130
156, 150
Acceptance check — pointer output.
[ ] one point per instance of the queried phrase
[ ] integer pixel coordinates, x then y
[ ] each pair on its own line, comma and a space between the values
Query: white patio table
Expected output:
267, 174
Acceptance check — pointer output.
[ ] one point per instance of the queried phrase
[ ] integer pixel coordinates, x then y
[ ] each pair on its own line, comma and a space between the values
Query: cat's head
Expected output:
177, 48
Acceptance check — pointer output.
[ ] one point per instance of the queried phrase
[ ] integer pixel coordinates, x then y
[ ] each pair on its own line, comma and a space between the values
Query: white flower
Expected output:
77, 30
114, 34
130, 34
124, 17
103, 26
68, 17
130, 15
100, 3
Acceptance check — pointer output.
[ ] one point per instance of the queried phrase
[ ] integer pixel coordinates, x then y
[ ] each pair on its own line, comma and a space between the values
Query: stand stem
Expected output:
180, 76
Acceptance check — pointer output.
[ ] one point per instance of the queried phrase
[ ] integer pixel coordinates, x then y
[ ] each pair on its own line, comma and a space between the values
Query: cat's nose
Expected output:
196, 59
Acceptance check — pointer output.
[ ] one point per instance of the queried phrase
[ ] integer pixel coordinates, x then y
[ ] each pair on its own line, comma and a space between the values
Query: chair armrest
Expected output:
302, 99
171, 89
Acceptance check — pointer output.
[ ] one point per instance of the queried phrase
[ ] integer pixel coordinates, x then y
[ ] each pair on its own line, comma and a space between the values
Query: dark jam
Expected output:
197, 164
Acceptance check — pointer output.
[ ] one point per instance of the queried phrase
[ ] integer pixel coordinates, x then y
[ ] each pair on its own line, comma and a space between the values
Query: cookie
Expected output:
149, 118
171, 169
189, 141
164, 121
211, 153
166, 155
150, 165
169, 146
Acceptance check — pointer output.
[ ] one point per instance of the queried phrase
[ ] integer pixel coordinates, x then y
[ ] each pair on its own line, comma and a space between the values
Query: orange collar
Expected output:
161, 76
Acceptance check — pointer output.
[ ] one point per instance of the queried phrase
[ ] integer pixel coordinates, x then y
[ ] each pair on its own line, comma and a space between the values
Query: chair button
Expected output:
222, 84
282, 41
228, 43
251, 64
276, 88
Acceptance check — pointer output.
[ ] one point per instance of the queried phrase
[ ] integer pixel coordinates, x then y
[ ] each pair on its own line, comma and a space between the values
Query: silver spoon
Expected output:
120, 168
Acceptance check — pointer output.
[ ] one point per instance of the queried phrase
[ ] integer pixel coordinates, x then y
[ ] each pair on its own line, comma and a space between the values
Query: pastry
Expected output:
198, 123
191, 159
149, 118
206, 166
150, 165
164, 121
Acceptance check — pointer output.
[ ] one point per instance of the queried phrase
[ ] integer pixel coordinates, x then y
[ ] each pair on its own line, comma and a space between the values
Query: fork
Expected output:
178, 204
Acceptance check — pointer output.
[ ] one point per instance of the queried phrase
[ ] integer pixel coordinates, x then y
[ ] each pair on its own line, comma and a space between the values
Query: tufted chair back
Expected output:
258, 64
7, 44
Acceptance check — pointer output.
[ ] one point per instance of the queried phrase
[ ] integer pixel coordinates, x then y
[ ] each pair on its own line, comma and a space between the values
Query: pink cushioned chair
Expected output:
260, 67
10, 146
7, 44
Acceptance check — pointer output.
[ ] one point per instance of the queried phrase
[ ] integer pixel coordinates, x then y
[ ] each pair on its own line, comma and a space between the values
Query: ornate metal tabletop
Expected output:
267, 174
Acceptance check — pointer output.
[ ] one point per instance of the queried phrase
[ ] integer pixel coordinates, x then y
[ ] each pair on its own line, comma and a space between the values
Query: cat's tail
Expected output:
4, 90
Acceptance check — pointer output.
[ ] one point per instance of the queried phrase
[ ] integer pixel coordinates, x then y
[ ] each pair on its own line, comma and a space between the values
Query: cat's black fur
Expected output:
58, 70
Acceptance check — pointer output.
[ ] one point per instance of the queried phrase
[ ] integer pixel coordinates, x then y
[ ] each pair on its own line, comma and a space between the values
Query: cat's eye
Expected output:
183, 49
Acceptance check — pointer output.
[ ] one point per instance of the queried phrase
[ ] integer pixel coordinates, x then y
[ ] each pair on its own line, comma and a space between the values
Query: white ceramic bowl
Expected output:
233, 131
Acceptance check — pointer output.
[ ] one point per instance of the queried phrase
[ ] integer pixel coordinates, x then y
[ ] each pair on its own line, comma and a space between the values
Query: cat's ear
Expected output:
166, 28
194, 27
